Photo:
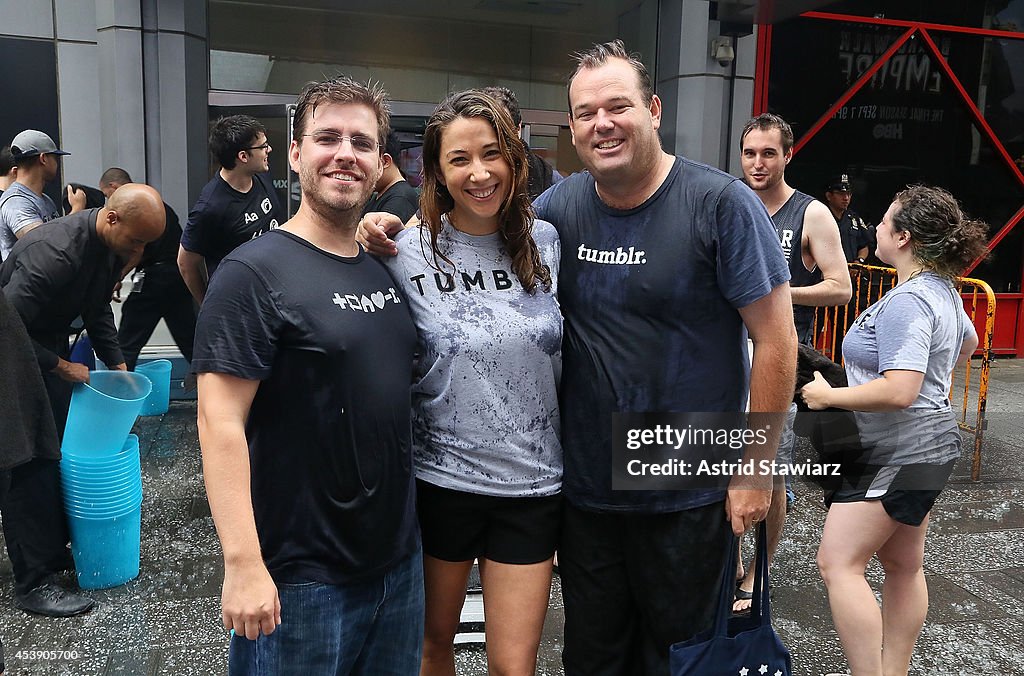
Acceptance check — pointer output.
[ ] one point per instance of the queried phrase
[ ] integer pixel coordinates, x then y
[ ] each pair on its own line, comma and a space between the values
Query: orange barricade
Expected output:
869, 284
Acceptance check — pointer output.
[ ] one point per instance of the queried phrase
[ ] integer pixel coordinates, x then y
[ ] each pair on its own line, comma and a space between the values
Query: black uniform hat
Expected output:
839, 182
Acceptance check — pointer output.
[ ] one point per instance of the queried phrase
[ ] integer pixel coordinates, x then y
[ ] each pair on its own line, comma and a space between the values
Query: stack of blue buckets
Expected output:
101, 473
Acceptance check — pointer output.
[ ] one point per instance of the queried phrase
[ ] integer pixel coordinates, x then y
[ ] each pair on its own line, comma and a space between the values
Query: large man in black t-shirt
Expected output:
305, 431
238, 204
158, 292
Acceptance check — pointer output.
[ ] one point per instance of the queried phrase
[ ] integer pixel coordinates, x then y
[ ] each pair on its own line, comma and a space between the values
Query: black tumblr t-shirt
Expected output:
223, 218
329, 428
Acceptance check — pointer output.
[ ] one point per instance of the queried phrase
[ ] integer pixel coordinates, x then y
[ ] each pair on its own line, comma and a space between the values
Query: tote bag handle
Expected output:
761, 607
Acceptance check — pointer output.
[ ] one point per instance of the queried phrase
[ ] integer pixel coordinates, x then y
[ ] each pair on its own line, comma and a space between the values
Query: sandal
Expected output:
742, 595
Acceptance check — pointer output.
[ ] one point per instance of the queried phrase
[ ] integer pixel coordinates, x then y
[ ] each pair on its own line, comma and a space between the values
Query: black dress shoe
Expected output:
53, 601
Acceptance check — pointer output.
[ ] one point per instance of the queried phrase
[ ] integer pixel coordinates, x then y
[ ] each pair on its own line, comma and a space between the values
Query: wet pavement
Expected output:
167, 621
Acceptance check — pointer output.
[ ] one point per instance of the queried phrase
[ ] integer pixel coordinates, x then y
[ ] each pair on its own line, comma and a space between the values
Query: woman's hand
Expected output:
816, 393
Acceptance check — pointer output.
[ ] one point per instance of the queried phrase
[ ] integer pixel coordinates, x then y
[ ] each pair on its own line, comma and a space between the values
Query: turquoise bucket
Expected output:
106, 549
103, 411
159, 373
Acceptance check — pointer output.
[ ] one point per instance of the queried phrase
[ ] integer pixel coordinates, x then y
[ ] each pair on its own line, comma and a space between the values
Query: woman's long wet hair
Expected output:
943, 238
515, 217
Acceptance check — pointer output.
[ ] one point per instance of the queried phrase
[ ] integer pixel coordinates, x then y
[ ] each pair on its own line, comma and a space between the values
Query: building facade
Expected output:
891, 93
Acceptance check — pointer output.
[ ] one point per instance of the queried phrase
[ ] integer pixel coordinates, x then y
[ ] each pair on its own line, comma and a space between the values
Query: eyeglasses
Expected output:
265, 146
331, 141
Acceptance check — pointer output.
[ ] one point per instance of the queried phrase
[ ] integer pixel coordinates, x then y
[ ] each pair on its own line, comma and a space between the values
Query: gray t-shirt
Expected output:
485, 400
918, 326
19, 207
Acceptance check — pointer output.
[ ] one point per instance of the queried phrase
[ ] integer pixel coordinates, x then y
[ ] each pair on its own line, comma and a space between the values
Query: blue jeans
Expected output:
369, 627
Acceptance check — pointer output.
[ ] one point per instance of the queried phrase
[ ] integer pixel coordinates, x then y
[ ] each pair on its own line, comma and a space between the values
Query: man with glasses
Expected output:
305, 431
237, 205
24, 205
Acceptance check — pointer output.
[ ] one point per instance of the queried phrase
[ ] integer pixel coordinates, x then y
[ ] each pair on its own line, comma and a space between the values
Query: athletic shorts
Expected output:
907, 492
459, 526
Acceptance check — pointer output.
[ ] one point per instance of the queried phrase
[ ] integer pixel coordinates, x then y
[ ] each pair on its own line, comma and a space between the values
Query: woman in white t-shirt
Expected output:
899, 356
479, 274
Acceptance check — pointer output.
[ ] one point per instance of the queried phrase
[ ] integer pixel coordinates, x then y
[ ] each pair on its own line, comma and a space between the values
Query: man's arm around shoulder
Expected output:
249, 600
769, 322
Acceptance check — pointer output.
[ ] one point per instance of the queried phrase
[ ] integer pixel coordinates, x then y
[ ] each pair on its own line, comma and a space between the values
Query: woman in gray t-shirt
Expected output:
899, 355
479, 276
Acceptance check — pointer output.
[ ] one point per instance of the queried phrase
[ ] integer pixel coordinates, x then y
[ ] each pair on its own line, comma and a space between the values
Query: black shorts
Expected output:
460, 526
907, 492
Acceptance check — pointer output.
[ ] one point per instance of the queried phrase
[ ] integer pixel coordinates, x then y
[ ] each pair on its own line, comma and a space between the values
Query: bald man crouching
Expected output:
58, 271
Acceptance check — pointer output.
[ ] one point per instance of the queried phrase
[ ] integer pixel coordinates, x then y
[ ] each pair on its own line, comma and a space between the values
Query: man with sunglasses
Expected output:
237, 205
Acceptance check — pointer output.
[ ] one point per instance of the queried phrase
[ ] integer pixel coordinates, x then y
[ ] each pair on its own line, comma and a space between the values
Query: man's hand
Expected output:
119, 367
116, 295
71, 371
76, 198
375, 232
249, 600
745, 505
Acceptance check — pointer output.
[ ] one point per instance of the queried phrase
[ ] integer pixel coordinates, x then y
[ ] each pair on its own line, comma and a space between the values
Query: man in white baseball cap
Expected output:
24, 205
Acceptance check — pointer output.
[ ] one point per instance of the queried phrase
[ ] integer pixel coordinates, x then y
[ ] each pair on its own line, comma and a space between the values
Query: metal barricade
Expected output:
869, 284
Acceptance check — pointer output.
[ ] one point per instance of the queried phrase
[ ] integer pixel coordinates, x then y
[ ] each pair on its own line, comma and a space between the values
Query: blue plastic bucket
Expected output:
159, 373
106, 550
102, 511
82, 352
103, 495
103, 411
91, 499
103, 469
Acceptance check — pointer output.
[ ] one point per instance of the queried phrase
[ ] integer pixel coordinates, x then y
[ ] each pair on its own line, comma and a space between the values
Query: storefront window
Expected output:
908, 124
419, 51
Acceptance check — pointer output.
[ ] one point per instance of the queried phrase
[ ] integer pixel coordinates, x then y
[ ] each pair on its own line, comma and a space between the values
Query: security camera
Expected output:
722, 51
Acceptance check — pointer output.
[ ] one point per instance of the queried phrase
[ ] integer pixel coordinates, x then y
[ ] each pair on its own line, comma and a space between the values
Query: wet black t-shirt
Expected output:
329, 428
223, 218
651, 297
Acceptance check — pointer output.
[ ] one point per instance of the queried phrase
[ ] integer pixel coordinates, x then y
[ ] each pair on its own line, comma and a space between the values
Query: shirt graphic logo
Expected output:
619, 256
375, 301
786, 239
498, 280
265, 205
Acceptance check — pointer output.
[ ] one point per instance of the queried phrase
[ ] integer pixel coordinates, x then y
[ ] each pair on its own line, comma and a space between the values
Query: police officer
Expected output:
856, 236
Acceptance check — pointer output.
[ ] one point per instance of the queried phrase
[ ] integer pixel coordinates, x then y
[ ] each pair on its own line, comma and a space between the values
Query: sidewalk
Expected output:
168, 620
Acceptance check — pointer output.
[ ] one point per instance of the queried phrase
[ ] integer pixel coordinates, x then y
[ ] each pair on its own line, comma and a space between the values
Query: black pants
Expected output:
31, 499
163, 295
634, 584
34, 523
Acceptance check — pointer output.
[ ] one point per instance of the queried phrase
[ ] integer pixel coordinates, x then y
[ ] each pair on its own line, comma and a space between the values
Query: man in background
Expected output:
24, 205
158, 292
8, 169
540, 175
238, 204
393, 195
853, 231
818, 275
